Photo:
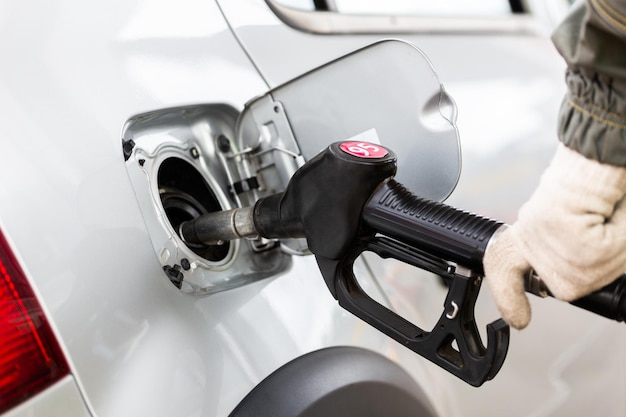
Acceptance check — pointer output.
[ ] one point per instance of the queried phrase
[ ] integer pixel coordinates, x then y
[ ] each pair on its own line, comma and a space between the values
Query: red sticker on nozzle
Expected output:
364, 149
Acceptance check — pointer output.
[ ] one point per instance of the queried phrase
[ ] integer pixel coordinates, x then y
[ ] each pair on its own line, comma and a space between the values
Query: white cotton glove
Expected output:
572, 232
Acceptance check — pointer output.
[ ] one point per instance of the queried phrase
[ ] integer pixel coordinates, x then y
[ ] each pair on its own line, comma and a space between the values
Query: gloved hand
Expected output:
572, 232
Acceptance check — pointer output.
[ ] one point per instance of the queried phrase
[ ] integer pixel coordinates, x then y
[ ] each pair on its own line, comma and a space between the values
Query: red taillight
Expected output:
30, 357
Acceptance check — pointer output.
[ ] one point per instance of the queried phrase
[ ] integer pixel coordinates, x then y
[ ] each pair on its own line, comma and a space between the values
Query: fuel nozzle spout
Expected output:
218, 227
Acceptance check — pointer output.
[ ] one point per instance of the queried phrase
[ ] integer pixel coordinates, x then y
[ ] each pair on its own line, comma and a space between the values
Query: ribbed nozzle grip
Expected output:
434, 227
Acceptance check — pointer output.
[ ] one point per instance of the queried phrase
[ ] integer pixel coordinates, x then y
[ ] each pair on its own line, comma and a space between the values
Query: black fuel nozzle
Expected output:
326, 202
322, 203
345, 202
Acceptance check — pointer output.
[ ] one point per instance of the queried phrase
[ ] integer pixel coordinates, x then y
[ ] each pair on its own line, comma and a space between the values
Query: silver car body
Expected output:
74, 72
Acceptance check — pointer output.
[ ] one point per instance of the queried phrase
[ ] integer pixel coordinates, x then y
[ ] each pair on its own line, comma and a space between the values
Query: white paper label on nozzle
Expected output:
368, 136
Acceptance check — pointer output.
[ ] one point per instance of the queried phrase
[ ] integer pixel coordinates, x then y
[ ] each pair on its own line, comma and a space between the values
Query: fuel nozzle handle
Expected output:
462, 237
431, 226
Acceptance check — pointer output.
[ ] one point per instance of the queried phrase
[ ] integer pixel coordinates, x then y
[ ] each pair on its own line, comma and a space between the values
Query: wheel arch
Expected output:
337, 381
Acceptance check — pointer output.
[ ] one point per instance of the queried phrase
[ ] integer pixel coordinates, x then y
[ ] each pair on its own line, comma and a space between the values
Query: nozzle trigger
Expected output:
454, 343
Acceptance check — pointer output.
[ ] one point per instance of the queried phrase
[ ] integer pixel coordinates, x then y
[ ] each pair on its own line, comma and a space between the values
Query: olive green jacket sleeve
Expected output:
592, 119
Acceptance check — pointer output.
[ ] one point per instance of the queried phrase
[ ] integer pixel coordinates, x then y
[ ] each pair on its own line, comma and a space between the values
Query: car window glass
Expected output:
452, 8
426, 7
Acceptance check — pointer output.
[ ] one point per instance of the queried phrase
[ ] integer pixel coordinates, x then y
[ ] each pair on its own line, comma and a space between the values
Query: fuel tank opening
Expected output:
185, 195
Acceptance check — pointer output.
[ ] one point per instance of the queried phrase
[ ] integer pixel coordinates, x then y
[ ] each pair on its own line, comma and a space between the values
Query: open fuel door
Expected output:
387, 92
186, 161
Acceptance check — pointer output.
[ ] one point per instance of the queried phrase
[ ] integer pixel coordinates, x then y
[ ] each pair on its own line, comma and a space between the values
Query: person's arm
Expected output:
572, 231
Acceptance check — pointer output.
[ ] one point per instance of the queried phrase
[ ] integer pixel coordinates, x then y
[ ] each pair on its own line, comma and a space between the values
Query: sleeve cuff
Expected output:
592, 119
